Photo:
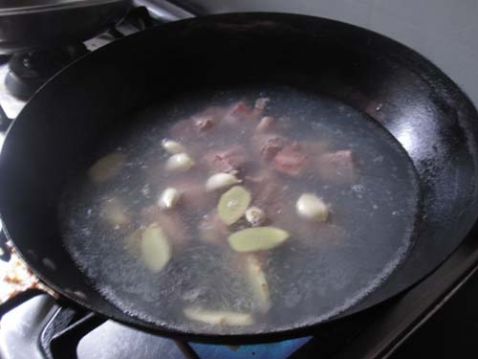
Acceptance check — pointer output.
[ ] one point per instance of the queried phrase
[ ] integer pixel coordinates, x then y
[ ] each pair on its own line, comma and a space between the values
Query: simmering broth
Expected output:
166, 231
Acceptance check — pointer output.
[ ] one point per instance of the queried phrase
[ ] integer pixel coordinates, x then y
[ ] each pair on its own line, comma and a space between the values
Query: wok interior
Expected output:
324, 267
59, 129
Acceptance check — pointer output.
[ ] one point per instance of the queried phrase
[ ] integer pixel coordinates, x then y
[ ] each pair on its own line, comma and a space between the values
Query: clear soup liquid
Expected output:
324, 266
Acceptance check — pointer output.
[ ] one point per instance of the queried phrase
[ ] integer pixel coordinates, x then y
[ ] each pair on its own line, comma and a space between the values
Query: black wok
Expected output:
57, 132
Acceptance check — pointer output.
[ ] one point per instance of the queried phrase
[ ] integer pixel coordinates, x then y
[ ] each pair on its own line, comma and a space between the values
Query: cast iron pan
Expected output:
57, 131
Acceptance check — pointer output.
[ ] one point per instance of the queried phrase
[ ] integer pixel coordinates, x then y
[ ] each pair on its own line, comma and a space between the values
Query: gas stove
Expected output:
35, 325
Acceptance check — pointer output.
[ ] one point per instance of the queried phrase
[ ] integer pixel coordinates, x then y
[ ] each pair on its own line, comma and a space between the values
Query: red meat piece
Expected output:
290, 160
261, 103
266, 124
269, 145
337, 167
229, 160
238, 112
204, 123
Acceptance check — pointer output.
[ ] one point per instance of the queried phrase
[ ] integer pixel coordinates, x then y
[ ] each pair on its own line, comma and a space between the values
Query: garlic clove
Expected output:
220, 181
180, 162
311, 207
172, 147
169, 198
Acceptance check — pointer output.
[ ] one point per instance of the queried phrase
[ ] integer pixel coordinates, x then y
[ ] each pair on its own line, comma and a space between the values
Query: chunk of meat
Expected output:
204, 123
291, 160
238, 112
259, 108
215, 112
337, 167
261, 103
269, 145
315, 148
230, 160
188, 129
266, 124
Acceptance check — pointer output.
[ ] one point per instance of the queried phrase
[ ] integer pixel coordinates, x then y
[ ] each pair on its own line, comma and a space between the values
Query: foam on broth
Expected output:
314, 275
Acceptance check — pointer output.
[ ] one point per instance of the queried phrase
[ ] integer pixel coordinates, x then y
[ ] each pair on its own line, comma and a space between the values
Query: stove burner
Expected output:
28, 71
47, 329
